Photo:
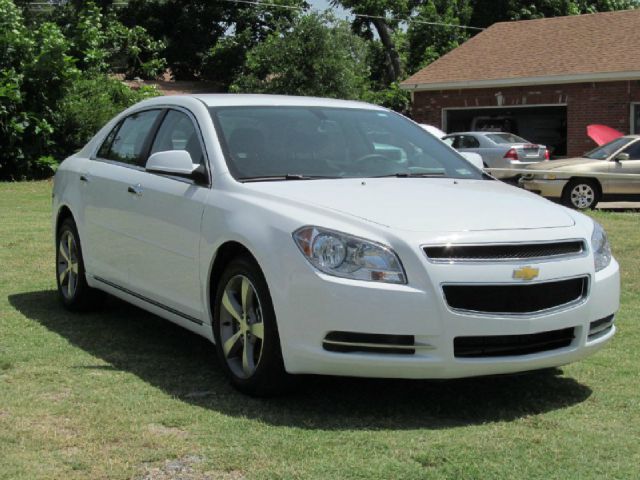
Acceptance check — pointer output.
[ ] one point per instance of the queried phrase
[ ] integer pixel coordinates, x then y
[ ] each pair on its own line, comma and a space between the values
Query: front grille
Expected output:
600, 327
503, 252
509, 345
351, 342
515, 298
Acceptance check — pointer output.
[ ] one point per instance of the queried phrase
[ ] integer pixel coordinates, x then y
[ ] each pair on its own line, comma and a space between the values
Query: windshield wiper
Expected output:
409, 175
288, 176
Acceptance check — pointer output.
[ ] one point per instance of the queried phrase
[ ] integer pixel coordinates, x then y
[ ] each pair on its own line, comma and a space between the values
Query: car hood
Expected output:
555, 164
425, 205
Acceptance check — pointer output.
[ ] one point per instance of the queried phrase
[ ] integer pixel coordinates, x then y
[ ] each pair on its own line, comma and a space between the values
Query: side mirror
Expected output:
474, 159
621, 157
172, 162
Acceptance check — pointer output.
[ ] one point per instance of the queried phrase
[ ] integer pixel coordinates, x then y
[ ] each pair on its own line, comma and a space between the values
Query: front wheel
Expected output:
73, 290
581, 194
245, 330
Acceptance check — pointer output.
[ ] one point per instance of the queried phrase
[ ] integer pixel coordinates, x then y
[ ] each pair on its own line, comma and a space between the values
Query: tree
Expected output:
35, 70
488, 12
208, 40
382, 15
313, 55
428, 41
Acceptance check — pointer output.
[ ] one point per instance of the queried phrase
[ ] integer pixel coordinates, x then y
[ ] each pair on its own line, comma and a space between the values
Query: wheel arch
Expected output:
226, 252
578, 178
64, 212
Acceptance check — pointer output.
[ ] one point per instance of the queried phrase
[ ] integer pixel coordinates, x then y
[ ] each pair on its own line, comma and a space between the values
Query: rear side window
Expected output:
127, 140
467, 141
178, 132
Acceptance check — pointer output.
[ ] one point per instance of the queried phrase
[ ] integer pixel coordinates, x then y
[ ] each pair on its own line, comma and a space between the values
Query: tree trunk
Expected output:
393, 59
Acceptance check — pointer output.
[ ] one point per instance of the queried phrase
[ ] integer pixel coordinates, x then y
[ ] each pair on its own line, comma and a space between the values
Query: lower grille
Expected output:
600, 327
351, 342
510, 345
515, 298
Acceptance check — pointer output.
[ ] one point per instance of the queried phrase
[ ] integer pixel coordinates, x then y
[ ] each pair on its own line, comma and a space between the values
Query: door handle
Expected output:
135, 189
84, 178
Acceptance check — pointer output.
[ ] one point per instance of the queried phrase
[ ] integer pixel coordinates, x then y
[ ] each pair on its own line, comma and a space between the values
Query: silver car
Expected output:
499, 150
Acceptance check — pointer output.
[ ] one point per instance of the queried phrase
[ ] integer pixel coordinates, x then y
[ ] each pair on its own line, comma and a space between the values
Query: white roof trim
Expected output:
525, 81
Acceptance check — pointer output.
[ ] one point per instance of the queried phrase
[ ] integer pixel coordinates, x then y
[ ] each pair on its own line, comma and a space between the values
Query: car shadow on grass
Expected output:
183, 365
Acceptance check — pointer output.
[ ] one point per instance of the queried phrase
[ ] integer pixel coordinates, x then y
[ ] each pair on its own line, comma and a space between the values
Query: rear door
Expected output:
168, 215
110, 222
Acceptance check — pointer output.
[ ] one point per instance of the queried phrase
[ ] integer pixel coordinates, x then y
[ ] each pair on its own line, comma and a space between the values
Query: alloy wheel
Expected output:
582, 196
241, 326
68, 264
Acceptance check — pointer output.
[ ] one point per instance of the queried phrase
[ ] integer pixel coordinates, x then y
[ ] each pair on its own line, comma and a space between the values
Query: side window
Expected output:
177, 132
103, 152
468, 141
633, 151
129, 140
456, 142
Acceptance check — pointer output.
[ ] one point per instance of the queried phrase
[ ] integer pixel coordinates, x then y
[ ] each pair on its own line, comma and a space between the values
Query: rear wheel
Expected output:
245, 330
581, 194
73, 290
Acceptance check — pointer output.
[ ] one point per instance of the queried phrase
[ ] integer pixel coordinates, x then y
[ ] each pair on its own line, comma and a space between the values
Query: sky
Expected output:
324, 4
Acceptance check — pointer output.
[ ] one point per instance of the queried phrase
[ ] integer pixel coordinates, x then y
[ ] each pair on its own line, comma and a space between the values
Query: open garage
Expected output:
546, 125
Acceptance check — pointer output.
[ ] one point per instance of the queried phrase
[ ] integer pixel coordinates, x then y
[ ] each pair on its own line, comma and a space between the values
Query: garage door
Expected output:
544, 125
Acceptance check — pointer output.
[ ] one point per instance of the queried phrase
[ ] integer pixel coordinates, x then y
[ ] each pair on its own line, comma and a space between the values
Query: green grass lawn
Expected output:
123, 394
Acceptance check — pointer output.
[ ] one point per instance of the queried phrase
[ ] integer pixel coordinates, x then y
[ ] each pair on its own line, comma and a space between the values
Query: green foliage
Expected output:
103, 44
88, 105
35, 70
314, 55
487, 12
428, 42
48, 106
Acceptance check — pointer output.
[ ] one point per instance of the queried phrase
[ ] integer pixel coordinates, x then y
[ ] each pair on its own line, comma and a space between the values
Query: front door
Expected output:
168, 217
625, 186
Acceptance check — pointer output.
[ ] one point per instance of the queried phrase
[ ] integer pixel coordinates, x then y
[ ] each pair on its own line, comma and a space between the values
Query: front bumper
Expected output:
318, 304
546, 188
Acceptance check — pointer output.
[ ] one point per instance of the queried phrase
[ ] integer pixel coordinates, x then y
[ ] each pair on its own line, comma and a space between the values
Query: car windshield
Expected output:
505, 138
300, 143
605, 151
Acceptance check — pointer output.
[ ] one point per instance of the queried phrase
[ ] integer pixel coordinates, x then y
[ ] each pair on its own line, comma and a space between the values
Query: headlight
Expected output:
346, 256
601, 247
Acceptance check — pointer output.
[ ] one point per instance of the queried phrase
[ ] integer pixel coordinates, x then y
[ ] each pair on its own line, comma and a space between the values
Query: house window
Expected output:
635, 118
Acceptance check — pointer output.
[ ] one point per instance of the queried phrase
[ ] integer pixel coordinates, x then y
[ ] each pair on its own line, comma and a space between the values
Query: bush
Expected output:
48, 106
35, 70
88, 105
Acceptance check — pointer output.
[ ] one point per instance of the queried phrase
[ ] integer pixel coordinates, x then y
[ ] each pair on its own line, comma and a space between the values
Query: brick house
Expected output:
545, 80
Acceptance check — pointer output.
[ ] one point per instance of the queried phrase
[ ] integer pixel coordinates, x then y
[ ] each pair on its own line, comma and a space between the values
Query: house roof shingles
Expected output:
594, 45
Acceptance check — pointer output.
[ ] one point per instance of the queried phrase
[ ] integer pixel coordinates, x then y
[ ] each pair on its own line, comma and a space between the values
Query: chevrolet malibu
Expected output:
304, 235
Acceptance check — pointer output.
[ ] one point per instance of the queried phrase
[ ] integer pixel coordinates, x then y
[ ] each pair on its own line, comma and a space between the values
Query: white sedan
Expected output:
306, 235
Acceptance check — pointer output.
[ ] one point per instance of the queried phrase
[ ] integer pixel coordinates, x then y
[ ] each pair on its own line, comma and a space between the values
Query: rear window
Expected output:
126, 141
505, 138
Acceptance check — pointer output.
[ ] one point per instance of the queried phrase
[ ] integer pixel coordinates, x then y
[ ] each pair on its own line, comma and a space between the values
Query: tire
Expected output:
246, 332
581, 194
73, 291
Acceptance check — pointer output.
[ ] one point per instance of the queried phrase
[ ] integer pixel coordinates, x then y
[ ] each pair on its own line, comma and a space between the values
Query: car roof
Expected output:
237, 100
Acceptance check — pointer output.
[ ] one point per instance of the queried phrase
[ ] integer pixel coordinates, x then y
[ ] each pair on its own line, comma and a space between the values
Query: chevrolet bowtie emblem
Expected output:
526, 273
